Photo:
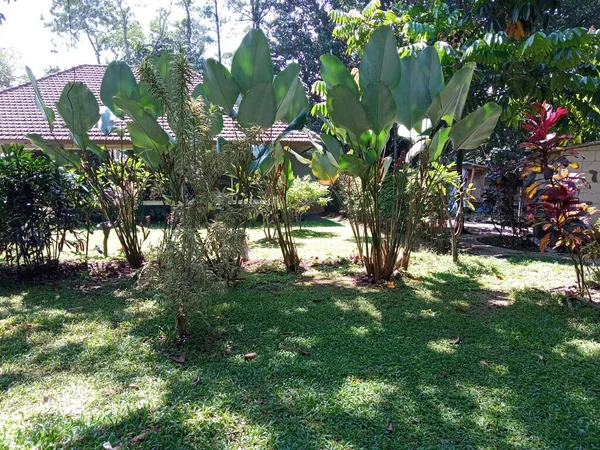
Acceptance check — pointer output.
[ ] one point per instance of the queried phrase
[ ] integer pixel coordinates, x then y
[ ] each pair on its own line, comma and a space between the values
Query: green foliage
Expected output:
361, 118
304, 194
41, 210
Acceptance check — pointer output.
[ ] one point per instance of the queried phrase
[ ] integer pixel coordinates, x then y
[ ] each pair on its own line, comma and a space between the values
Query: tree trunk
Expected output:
188, 33
125, 24
218, 27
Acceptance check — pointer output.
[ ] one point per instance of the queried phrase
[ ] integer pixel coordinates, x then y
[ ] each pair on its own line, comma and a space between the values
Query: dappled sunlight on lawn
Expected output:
335, 365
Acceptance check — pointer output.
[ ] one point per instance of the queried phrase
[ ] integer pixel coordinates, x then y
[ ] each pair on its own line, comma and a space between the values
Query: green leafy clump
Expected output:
304, 194
41, 210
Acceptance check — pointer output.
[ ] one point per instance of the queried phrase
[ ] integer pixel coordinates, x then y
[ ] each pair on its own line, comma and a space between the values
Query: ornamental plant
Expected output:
361, 114
305, 194
255, 99
551, 192
41, 209
116, 176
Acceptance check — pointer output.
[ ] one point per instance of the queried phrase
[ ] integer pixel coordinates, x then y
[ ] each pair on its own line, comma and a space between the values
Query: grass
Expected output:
85, 364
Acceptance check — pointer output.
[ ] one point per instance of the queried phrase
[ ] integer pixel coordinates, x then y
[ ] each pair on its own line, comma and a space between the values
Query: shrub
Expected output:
305, 194
41, 208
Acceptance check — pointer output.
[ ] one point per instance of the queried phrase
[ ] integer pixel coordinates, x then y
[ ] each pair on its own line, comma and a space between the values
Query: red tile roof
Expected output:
19, 115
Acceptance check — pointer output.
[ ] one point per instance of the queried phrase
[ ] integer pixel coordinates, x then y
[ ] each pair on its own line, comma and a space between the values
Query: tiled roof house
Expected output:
19, 115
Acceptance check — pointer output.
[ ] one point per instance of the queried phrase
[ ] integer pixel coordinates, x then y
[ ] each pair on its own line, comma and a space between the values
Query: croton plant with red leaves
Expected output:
550, 191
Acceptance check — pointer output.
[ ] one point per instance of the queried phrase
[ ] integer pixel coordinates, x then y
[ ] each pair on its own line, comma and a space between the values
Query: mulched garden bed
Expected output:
66, 271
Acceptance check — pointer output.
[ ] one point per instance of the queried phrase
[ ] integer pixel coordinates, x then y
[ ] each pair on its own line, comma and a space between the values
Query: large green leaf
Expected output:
285, 89
438, 143
432, 70
78, 107
46, 111
412, 93
334, 72
144, 146
299, 102
219, 86
380, 60
448, 105
258, 107
143, 95
353, 165
378, 104
297, 124
252, 62
118, 80
474, 129
148, 133
84, 142
345, 110
332, 144
325, 168
59, 155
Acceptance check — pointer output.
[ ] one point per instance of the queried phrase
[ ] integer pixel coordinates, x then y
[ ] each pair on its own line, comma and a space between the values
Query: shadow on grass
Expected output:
375, 355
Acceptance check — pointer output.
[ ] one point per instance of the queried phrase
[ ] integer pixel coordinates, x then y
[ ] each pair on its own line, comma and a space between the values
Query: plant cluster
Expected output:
305, 194
41, 209
551, 192
362, 111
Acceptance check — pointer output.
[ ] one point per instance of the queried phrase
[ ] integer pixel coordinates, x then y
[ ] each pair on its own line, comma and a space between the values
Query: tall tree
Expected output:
254, 11
213, 11
105, 24
7, 67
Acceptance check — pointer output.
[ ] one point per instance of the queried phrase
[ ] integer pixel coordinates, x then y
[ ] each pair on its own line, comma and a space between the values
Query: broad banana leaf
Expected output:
334, 72
332, 144
78, 107
412, 93
298, 104
437, 143
345, 110
325, 168
258, 107
147, 133
378, 104
47, 112
219, 86
252, 62
476, 128
448, 105
118, 80
285, 89
59, 155
353, 165
432, 70
380, 61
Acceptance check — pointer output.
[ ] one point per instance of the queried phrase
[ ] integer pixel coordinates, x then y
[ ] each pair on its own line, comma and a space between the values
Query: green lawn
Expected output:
82, 364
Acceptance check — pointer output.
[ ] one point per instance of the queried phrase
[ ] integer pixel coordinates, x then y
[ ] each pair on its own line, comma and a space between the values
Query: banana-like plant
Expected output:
359, 116
117, 178
255, 99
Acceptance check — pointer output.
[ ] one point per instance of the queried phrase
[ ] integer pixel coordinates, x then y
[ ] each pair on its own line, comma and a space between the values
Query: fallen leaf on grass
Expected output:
484, 363
457, 341
293, 349
178, 358
500, 277
462, 307
195, 381
143, 435
390, 427
250, 356
390, 284
108, 446
135, 387
76, 309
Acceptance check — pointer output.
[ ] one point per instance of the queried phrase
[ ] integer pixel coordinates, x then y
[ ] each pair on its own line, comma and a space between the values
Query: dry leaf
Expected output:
108, 446
143, 435
135, 387
250, 356
228, 350
458, 341
76, 309
390, 284
484, 363
390, 427
500, 277
462, 307
178, 358
195, 380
